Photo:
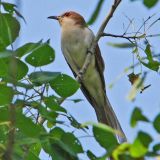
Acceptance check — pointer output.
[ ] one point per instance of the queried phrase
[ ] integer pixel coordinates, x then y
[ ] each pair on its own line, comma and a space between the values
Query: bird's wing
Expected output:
100, 64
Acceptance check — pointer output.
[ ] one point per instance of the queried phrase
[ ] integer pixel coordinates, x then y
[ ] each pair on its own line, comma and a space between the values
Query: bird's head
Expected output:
69, 19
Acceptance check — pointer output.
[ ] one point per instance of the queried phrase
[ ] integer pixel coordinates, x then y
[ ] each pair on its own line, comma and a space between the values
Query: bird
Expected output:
76, 39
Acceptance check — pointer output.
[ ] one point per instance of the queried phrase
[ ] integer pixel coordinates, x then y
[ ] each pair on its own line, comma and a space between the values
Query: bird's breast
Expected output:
75, 43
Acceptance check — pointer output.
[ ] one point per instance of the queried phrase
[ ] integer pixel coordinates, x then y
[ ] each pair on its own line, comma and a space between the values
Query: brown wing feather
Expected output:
100, 65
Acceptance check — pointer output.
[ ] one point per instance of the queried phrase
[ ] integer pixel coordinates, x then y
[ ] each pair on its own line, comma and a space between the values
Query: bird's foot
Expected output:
89, 51
80, 76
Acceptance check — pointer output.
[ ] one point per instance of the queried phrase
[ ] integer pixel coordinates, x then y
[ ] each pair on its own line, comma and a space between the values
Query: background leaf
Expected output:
12, 69
150, 3
100, 131
27, 48
156, 123
137, 116
41, 56
95, 13
6, 94
9, 30
64, 85
43, 77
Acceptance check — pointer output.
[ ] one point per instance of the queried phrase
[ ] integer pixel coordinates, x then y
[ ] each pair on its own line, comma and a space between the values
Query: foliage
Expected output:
149, 3
28, 99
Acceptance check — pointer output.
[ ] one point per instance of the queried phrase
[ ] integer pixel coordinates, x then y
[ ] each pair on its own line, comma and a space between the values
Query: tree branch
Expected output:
11, 135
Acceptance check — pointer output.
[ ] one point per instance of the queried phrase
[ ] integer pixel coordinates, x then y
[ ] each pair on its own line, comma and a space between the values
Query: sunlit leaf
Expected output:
64, 85
140, 145
118, 152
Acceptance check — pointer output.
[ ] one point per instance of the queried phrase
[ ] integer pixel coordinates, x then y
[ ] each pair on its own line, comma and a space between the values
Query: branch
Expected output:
121, 36
11, 135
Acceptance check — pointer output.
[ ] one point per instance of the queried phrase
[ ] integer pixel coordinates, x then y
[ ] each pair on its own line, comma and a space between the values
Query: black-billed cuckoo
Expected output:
76, 39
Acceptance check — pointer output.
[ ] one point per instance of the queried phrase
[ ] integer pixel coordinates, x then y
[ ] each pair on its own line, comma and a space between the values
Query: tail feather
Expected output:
106, 115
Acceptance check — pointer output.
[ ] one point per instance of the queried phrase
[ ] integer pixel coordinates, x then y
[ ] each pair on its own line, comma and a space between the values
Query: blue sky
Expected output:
39, 27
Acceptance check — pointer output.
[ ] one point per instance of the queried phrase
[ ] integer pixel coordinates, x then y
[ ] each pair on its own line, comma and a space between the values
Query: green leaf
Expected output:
156, 123
72, 142
150, 3
137, 149
137, 116
6, 53
41, 56
12, 69
140, 145
51, 102
9, 7
34, 152
149, 53
62, 145
49, 115
9, 30
27, 48
145, 138
64, 85
91, 155
57, 133
26, 126
109, 142
118, 152
122, 45
156, 147
96, 12
43, 77
152, 64
6, 94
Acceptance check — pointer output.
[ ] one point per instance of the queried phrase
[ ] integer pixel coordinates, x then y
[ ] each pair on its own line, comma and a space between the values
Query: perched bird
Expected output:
76, 39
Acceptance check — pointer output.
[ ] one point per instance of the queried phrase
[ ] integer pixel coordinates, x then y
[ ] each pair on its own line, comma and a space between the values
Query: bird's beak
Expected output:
54, 17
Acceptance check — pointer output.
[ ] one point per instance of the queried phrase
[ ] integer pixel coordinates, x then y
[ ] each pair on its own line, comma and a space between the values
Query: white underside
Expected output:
75, 43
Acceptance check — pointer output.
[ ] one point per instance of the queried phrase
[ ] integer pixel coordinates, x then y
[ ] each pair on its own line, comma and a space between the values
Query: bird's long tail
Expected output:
106, 115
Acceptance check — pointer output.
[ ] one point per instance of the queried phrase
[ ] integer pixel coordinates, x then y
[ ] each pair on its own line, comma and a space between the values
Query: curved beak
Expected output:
54, 17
